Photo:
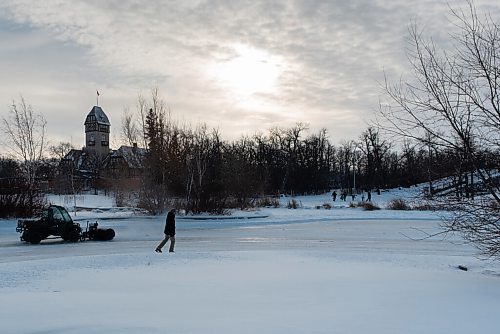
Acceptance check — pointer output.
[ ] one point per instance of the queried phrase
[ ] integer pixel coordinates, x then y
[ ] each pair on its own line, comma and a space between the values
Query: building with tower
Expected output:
96, 161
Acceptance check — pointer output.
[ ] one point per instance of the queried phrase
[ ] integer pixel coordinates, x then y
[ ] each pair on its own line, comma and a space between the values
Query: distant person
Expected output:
334, 195
369, 199
169, 232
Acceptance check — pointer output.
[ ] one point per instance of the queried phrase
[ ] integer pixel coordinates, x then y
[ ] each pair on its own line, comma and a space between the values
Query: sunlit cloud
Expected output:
238, 65
246, 75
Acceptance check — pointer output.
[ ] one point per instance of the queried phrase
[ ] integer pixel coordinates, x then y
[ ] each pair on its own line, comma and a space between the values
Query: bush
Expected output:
293, 204
431, 207
398, 204
327, 206
268, 202
367, 206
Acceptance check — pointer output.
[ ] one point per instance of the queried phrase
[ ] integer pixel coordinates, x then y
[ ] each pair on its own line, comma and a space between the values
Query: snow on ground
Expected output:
307, 270
84, 207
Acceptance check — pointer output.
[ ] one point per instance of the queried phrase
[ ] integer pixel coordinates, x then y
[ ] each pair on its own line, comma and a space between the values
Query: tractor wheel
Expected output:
34, 238
110, 234
74, 236
25, 236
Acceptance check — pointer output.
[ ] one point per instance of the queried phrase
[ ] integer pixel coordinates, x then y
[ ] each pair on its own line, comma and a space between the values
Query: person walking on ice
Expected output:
169, 232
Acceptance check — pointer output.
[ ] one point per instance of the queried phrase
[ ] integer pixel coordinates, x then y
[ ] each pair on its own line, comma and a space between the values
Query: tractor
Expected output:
55, 221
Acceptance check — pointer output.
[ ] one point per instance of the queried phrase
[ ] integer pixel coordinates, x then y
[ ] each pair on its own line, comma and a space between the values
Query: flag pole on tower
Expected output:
97, 97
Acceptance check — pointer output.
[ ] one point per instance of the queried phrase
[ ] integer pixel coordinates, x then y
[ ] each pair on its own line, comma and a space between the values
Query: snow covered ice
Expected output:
295, 271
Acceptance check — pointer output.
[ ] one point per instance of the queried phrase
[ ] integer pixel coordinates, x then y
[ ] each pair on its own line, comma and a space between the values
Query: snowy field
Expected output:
302, 271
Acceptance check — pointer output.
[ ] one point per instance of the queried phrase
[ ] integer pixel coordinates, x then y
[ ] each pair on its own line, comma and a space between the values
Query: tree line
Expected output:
200, 171
196, 169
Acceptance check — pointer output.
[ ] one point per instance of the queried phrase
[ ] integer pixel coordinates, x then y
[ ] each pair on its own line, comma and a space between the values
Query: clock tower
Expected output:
97, 132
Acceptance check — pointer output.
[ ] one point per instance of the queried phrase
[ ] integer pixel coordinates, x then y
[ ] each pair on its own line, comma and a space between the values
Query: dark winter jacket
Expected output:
170, 223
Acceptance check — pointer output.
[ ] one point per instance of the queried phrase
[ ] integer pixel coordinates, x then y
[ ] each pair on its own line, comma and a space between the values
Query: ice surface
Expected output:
307, 270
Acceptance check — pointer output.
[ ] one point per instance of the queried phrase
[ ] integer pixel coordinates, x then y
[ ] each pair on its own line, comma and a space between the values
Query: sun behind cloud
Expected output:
246, 73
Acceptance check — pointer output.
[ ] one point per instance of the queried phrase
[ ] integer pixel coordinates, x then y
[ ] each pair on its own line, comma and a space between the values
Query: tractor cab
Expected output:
56, 215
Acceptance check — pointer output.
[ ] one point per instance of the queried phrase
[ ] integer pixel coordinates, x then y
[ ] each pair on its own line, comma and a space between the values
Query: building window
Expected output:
90, 119
104, 141
90, 127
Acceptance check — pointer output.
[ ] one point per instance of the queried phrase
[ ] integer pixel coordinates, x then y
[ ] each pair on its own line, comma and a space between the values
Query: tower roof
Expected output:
99, 115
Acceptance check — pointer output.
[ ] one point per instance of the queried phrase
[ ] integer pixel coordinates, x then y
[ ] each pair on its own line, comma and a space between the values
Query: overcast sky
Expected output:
239, 66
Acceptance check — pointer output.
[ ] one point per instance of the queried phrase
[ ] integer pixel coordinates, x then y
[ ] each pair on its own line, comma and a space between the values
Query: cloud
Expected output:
333, 53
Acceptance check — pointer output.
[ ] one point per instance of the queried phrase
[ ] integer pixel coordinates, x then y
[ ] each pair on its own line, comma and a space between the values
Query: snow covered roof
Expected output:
77, 157
133, 156
99, 115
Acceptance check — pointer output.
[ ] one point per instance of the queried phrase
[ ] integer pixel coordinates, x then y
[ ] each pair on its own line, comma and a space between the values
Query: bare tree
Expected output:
60, 150
375, 149
198, 165
130, 131
26, 140
454, 98
142, 109
134, 126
